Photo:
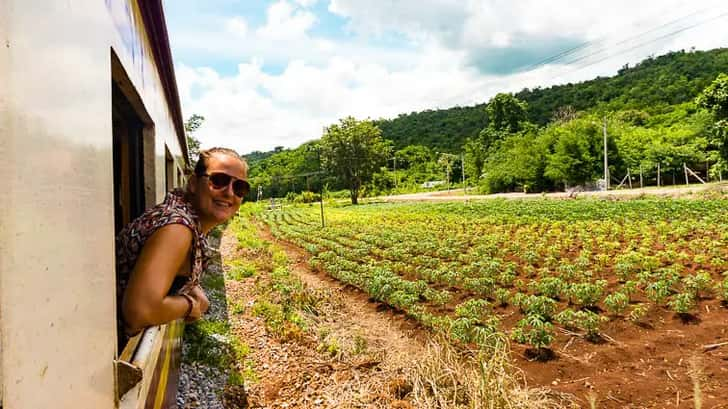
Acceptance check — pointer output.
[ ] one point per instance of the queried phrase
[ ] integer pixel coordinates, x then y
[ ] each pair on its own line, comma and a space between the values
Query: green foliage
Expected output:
587, 294
208, 343
658, 291
698, 283
682, 303
722, 289
715, 97
506, 113
617, 303
585, 320
551, 287
193, 144
638, 313
537, 305
354, 150
534, 330
475, 309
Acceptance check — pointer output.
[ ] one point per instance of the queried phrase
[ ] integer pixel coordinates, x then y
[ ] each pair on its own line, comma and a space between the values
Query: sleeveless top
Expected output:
129, 243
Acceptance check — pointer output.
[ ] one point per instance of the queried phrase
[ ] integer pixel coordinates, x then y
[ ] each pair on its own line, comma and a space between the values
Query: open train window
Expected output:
133, 155
128, 161
169, 172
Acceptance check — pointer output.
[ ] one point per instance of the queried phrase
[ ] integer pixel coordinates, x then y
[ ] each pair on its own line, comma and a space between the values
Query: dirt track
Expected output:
459, 194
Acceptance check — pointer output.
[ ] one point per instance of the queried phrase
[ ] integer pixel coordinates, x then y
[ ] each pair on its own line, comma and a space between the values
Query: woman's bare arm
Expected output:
145, 300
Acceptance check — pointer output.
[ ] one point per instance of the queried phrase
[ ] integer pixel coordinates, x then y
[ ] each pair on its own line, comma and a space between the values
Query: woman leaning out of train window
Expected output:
161, 254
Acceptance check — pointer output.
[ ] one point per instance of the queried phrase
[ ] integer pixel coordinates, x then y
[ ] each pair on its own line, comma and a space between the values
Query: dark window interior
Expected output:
128, 161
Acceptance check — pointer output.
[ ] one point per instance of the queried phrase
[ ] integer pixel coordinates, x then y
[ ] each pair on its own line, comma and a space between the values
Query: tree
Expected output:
354, 150
506, 113
193, 144
715, 99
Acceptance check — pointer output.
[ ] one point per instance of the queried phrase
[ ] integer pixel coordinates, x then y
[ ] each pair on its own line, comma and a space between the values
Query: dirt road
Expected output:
459, 194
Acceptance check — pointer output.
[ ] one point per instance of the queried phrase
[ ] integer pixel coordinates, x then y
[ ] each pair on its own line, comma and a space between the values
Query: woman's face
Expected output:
214, 205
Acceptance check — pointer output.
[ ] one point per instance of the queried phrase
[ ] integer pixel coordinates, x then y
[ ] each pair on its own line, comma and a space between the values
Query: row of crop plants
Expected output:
577, 274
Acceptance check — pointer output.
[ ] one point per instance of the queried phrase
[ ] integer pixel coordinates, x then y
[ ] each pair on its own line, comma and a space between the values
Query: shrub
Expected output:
722, 289
502, 296
478, 310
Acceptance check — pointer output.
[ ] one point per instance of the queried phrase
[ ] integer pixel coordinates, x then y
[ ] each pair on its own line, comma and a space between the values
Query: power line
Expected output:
587, 44
672, 33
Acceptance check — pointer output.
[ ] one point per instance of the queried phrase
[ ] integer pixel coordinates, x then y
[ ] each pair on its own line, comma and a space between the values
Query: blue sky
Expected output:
275, 73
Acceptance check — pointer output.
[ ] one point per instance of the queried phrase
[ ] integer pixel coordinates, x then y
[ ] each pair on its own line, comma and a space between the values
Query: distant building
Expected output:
432, 183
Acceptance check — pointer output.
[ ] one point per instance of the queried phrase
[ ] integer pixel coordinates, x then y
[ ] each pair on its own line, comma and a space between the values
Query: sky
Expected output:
276, 73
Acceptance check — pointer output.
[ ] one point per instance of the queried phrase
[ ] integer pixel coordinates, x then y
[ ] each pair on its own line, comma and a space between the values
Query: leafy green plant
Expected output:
587, 294
722, 289
535, 331
682, 303
698, 283
658, 291
551, 287
638, 313
502, 296
538, 305
478, 310
617, 302
585, 320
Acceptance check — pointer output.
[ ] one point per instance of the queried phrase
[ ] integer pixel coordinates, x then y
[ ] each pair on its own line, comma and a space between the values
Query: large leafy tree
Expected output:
354, 150
715, 99
506, 113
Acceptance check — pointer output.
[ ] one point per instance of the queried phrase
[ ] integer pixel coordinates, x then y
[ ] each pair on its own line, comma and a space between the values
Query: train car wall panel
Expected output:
57, 303
56, 290
4, 117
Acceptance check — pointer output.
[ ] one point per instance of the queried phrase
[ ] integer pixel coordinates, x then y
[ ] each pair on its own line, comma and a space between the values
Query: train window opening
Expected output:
169, 172
133, 157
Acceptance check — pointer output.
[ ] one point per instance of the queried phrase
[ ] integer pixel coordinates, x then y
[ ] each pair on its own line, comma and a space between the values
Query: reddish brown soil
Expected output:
642, 366
294, 373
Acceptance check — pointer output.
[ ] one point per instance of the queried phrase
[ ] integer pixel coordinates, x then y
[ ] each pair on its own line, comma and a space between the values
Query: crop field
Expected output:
626, 299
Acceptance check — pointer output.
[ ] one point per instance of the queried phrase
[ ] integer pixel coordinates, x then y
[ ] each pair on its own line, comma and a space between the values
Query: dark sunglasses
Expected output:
220, 180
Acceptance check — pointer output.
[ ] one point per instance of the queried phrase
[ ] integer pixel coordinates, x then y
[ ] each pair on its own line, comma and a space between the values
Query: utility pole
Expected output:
606, 162
395, 172
462, 168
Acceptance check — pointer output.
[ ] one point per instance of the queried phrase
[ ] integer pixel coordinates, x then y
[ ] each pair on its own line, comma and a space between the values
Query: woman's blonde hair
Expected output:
201, 165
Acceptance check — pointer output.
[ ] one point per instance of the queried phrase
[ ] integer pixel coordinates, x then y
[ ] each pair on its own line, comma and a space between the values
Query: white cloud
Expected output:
237, 26
323, 79
285, 22
306, 3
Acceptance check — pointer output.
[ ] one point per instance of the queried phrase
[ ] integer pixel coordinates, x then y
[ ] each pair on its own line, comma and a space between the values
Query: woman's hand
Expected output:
200, 303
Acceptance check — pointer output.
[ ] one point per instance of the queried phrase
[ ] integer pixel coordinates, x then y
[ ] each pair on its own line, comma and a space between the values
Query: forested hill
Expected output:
670, 79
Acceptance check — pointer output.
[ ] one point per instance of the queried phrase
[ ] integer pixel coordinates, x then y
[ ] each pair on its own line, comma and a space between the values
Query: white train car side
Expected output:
91, 134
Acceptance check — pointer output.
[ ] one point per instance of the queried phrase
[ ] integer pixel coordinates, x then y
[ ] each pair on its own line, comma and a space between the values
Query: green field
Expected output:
522, 269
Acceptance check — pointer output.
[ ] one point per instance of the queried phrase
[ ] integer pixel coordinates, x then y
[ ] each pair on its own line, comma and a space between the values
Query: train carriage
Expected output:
91, 134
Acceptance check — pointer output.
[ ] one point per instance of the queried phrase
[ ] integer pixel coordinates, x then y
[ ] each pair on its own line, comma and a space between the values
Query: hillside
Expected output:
669, 79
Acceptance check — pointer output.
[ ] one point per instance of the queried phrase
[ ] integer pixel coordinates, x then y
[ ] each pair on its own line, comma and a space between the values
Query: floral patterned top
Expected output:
129, 243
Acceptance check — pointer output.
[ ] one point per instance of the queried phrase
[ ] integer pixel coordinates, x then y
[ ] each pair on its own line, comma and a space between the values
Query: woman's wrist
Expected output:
191, 304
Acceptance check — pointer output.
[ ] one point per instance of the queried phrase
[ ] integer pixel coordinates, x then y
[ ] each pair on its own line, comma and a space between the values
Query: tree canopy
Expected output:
354, 150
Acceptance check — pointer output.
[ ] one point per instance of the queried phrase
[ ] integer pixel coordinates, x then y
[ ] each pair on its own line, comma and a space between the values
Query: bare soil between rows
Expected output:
297, 373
